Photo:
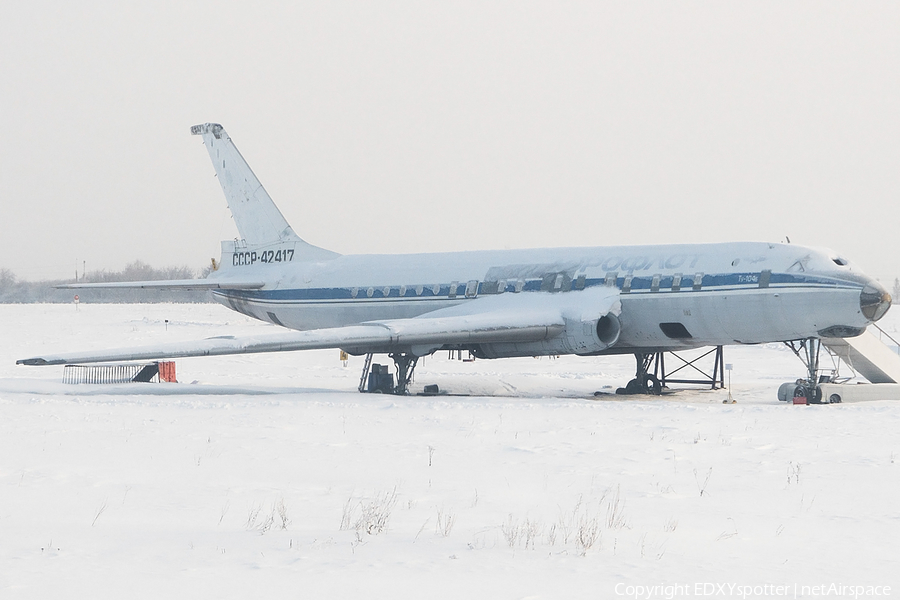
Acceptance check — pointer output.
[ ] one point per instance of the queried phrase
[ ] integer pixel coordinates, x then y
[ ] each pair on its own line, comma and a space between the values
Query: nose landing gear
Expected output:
807, 391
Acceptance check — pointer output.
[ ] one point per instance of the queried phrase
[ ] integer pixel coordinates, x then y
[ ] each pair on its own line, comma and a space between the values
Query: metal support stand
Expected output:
651, 377
715, 381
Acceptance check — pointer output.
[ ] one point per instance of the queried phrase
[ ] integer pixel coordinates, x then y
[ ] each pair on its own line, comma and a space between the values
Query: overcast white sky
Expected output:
409, 127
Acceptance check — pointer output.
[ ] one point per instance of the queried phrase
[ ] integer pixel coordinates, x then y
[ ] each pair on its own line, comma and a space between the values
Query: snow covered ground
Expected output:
271, 477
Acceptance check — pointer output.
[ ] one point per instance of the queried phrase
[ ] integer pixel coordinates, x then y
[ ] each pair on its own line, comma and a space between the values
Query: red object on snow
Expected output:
167, 371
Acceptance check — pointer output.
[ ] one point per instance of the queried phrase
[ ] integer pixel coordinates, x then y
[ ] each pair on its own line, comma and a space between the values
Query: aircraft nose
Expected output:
874, 301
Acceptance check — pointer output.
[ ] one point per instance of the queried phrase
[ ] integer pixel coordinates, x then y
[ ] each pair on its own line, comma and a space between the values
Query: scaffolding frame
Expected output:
716, 380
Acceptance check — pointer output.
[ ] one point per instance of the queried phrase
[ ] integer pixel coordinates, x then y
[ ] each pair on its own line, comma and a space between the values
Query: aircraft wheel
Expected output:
652, 385
633, 387
834, 399
818, 395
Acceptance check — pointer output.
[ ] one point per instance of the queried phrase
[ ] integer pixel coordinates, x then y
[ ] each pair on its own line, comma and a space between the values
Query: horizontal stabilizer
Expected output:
172, 284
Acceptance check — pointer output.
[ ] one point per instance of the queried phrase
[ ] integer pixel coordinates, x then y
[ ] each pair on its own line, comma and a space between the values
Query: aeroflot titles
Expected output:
643, 263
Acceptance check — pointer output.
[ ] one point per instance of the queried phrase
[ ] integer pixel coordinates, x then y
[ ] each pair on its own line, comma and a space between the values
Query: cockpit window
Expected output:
840, 261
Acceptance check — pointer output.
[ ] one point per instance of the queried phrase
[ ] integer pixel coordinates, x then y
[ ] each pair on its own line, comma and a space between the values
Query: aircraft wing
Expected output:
180, 284
400, 333
509, 318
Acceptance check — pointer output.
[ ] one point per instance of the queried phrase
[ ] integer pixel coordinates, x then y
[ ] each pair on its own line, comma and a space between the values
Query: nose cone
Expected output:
874, 301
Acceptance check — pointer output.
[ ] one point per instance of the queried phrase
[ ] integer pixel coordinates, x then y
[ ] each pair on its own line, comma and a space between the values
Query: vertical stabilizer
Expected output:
257, 218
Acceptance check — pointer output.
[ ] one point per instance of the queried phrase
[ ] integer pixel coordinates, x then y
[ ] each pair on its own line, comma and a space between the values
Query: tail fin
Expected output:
257, 218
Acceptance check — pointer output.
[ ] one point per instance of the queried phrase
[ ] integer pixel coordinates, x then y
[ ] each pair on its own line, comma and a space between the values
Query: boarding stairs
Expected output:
868, 355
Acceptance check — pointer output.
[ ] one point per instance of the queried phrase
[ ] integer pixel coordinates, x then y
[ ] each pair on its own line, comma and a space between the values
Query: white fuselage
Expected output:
672, 296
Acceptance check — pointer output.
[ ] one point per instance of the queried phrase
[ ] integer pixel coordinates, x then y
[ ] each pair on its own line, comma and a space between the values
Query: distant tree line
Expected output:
17, 291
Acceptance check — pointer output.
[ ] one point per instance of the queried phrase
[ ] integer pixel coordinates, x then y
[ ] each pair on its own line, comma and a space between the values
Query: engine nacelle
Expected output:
579, 337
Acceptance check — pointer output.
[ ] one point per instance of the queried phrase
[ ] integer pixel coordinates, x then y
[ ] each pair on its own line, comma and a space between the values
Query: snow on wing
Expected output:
398, 334
504, 319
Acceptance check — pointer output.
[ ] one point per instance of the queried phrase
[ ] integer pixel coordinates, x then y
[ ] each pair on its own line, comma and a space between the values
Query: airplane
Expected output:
597, 301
